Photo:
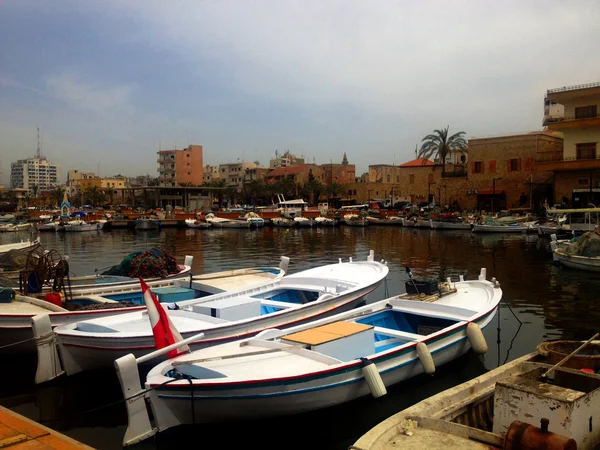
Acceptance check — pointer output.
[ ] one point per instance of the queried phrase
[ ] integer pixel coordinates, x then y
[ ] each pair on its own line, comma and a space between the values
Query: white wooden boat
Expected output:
16, 227
15, 317
558, 243
193, 223
49, 226
314, 366
516, 228
392, 220
6, 217
255, 220
322, 221
303, 221
78, 226
493, 411
423, 223
146, 223
284, 302
283, 222
220, 222
354, 220
22, 245
589, 264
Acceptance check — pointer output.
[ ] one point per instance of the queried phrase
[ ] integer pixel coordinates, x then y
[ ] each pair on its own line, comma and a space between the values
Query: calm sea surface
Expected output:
541, 301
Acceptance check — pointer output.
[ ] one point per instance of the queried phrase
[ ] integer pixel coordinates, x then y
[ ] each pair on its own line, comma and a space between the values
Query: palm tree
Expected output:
439, 145
57, 195
94, 195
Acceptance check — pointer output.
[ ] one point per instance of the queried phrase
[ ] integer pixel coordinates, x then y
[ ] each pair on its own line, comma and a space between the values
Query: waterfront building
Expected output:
505, 173
343, 173
234, 174
210, 174
573, 111
36, 171
384, 173
115, 182
285, 160
256, 174
300, 174
177, 167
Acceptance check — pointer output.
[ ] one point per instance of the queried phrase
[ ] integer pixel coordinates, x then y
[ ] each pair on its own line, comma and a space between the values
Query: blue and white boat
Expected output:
282, 303
312, 366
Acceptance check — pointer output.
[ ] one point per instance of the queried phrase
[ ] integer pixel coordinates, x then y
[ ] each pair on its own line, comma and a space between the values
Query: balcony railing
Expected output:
574, 88
565, 118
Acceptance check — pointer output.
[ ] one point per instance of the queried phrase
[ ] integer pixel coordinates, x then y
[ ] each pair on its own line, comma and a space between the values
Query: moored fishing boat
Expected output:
502, 408
195, 223
284, 302
510, 228
101, 302
147, 223
323, 221
22, 245
355, 220
220, 222
313, 366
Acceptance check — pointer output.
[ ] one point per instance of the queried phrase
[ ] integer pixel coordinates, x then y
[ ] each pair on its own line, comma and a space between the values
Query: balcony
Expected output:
561, 123
555, 161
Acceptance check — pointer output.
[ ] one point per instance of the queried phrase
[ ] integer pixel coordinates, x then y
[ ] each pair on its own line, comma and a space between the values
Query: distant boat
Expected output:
146, 223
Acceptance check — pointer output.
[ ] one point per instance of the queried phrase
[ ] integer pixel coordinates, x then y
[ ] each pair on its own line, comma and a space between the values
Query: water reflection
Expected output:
549, 302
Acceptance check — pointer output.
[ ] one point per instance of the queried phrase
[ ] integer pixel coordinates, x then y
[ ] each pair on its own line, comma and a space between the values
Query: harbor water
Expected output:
541, 302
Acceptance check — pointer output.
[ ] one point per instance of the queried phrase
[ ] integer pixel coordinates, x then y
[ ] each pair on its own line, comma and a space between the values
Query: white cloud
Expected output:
81, 94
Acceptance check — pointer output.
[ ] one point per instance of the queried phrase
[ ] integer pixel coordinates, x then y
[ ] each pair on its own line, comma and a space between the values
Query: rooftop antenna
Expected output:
39, 145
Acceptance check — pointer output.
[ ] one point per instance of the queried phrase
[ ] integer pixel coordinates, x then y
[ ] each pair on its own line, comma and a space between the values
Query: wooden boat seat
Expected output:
327, 333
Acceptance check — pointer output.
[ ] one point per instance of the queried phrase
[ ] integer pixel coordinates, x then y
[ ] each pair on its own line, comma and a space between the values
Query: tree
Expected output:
57, 195
439, 144
336, 190
94, 195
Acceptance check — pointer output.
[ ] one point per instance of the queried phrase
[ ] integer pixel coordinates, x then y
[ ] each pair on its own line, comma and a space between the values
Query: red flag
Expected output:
163, 329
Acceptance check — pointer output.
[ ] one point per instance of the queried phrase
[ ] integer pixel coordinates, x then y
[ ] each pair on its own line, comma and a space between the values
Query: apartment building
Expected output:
234, 174
285, 160
30, 172
573, 112
176, 167
210, 174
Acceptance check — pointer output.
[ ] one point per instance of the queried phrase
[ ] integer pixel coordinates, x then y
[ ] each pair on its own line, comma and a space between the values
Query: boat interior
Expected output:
316, 348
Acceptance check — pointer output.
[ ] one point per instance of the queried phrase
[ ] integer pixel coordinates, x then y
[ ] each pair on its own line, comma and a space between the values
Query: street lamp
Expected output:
494, 192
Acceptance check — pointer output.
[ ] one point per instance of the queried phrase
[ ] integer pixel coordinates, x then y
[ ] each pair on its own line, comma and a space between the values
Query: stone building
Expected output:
504, 172
343, 173
300, 174
384, 173
573, 111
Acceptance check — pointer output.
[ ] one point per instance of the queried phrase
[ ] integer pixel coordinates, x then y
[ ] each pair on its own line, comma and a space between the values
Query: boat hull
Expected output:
171, 406
577, 262
499, 229
88, 353
450, 225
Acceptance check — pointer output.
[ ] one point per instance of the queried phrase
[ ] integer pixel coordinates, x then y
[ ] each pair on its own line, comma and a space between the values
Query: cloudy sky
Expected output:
108, 82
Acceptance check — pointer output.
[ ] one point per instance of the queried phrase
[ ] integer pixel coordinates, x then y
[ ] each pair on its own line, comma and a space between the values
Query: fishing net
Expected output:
587, 245
154, 263
16, 259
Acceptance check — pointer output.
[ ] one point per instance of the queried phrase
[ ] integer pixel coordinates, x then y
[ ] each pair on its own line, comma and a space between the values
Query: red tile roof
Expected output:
292, 170
418, 162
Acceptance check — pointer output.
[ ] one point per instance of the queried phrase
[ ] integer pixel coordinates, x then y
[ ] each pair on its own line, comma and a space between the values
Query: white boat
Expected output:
318, 365
146, 223
391, 220
589, 264
423, 223
220, 222
102, 302
325, 221
193, 223
49, 226
22, 245
255, 220
283, 222
304, 221
516, 228
501, 409
442, 225
78, 226
284, 302
6, 217
354, 220
558, 243
16, 227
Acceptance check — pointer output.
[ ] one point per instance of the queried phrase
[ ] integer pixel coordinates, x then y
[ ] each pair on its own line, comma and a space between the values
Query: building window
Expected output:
529, 164
388, 178
493, 166
585, 112
477, 167
586, 151
411, 179
514, 165
583, 182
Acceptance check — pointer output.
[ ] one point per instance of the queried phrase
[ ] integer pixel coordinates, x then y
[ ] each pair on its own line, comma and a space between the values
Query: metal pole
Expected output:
493, 193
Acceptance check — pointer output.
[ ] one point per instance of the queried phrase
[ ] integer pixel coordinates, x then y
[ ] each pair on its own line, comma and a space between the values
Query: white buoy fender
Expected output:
373, 378
475, 335
425, 357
